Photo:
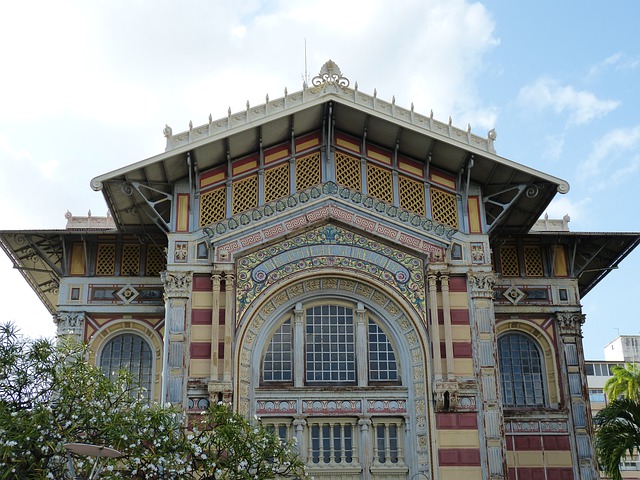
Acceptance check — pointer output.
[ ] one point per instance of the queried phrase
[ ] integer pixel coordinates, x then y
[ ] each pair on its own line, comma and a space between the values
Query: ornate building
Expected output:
358, 276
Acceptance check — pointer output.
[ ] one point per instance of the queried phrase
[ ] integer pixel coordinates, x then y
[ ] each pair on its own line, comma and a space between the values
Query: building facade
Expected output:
622, 350
356, 275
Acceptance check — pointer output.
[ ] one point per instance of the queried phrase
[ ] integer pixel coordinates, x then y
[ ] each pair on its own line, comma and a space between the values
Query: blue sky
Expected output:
87, 87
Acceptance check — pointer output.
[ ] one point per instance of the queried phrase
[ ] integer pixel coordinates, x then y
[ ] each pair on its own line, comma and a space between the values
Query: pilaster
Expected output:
177, 291
573, 382
490, 414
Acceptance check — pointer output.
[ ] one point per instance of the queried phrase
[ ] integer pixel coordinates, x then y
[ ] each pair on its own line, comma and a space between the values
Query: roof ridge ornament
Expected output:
330, 74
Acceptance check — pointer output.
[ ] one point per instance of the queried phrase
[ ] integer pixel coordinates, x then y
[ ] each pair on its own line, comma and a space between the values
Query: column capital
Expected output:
177, 284
69, 323
481, 283
570, 323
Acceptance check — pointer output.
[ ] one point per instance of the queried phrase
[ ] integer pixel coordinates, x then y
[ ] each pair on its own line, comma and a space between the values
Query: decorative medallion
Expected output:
514, 294
181, 254
128, 293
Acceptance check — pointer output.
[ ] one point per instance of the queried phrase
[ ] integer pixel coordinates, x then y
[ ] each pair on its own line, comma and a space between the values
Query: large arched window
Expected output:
328, 349
521, 371
130, 352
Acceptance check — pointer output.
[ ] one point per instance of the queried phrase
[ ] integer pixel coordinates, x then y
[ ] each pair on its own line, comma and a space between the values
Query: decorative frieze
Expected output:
330, 246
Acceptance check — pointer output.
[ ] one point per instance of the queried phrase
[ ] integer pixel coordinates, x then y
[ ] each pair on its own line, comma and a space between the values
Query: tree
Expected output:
50, 395
617, 434
625, 382
618, 424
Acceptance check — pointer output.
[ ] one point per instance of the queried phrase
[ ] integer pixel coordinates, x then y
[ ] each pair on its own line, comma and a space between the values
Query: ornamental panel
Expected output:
130, 260
213, 205
245, 194
276, 182
348, 171
308, 171
509, 261
156, 261
533, 261
412, 196
379, 183
444, 208
106, 261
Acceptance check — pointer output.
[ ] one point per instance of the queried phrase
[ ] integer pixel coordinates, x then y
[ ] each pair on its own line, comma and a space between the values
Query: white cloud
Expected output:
608, 151
563, 205
581, 106
555, 147
618, 61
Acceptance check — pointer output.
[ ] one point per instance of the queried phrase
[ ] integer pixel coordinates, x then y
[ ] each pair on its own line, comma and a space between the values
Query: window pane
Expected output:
276, 364
330, 343
521, 371
132, 353
382, 359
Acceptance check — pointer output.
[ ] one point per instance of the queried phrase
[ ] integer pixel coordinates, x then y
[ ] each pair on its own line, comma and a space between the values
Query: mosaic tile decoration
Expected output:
330, 246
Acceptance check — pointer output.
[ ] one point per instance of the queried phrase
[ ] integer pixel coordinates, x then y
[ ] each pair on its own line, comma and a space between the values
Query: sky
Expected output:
87, 87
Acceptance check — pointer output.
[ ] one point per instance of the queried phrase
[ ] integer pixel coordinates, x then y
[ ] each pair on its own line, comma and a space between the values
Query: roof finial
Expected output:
330, 74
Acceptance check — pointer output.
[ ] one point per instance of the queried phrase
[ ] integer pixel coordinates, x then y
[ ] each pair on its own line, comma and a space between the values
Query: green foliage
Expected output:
625, 382
617, 434
50, 395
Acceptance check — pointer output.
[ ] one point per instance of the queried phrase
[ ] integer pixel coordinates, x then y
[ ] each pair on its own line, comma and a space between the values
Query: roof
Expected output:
39, 255
515, 195
592, 255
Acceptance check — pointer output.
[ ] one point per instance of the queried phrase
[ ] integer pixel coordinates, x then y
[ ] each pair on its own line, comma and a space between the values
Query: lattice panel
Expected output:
444, 208
276, 182
130, 260
509, 261
308, 171
245, 194
106, 261
412, 195
379, 183
348, 171
213, 206
533, 261
156, 260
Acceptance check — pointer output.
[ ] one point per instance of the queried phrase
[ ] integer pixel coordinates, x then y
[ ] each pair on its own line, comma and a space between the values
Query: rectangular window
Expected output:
330, 344
388, 442
596, 395
332, 441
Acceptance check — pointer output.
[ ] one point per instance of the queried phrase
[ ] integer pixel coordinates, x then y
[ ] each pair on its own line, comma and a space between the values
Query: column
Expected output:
361, 346
299, 424
215, 325
573, 381
364, 448
229, 325
448, 337
298, 346
485, 347
435, 327
177, 290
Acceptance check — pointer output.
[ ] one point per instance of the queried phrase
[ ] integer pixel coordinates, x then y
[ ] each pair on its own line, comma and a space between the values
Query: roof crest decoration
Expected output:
328, 81
330, 74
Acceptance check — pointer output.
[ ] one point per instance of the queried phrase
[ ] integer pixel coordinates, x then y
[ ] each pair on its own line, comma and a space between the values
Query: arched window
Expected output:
130, 352
330, 344
521, 371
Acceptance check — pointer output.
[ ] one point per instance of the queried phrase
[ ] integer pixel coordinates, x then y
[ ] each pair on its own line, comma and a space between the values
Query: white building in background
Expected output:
624, 349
